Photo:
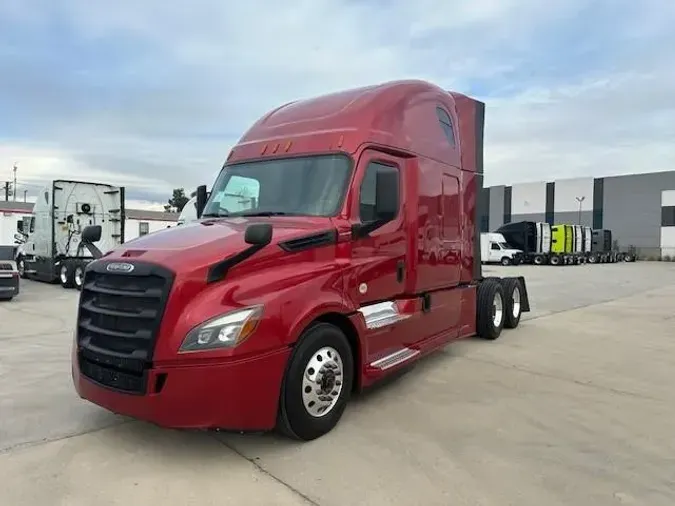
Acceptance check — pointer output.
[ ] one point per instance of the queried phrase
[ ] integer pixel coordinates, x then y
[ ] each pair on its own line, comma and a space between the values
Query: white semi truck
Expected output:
189, 212
53, 245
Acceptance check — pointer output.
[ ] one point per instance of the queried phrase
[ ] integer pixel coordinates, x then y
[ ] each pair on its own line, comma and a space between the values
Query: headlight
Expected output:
225, 331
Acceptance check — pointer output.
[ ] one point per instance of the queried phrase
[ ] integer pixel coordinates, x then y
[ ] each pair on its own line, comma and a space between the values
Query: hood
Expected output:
201, 243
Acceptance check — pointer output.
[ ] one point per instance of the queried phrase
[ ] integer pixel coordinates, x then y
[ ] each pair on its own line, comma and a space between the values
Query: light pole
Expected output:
15, 168
580, 200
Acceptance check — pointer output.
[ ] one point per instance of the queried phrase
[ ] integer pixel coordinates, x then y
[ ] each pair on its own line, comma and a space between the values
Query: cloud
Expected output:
153, 94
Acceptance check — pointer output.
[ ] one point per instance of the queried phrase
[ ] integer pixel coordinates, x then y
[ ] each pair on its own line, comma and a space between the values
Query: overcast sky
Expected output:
153, 94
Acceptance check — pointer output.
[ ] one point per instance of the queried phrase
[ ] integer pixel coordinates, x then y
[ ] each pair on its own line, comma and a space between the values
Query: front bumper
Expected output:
232, 395
9, 280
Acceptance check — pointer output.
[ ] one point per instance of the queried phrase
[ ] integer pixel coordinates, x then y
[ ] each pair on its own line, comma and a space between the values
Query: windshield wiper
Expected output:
215, 215
266, 213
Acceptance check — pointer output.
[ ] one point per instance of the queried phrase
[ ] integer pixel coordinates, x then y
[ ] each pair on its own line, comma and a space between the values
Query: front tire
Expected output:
555, 260
317, 384
21, 267
506, 261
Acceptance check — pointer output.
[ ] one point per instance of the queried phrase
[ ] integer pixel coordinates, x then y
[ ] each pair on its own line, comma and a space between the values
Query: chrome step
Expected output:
393, 359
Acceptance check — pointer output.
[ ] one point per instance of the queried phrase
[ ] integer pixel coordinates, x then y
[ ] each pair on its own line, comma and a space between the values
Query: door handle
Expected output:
400, 271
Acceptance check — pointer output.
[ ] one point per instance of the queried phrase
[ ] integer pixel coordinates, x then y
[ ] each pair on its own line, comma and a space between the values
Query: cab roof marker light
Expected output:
262, 152
276, 148
340, 141
288, 146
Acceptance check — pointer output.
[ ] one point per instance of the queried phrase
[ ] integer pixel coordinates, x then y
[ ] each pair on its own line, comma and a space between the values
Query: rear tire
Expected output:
490, 309
317, 384
513, 296
67, 274
555, 260
538, 260
593, 259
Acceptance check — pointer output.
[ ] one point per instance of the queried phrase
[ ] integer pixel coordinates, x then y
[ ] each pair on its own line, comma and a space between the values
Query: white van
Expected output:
495, 249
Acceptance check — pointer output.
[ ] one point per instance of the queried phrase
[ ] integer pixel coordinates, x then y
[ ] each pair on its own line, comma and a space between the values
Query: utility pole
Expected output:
14, 188
7, 183
24, 195
580, 200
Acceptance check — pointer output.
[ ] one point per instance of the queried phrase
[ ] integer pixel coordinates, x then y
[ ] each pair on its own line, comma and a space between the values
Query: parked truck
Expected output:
52, 248
532, 238
9, 274
358, 253
189, 212
495, 250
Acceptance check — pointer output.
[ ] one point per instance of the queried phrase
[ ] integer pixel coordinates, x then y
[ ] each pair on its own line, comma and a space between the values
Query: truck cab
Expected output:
339, 243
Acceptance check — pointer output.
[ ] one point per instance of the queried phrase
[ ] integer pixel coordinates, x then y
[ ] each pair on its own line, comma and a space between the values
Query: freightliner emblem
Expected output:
120, 267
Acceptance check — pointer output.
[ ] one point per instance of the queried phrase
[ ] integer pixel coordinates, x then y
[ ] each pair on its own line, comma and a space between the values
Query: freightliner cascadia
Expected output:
339, 244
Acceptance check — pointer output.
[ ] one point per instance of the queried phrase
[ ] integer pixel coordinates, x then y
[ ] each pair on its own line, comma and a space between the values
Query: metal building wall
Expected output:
528, 202
496, 207
668, 223
632, 208
568, 192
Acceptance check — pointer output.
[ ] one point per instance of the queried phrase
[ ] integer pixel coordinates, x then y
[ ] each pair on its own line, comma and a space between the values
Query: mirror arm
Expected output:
360, 230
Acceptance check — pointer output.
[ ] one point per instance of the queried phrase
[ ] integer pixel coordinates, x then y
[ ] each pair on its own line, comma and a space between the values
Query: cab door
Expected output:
378, 259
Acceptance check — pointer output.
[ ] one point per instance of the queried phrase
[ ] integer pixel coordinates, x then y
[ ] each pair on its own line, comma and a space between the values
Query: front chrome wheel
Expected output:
322, 382
64, 274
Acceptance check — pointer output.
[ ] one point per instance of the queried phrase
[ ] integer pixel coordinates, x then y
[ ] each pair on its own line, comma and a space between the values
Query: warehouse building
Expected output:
138, 221
639, 209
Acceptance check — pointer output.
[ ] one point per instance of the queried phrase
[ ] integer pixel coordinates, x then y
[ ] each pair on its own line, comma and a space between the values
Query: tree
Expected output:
177, 201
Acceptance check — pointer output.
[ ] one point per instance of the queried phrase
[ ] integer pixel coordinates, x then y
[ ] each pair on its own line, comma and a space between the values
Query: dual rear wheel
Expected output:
71, 274
499, 306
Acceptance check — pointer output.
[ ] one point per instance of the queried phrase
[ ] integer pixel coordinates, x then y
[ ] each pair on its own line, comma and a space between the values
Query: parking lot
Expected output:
576, 406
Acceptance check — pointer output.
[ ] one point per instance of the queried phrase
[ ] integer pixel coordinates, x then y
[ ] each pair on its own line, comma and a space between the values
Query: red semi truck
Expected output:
339, 244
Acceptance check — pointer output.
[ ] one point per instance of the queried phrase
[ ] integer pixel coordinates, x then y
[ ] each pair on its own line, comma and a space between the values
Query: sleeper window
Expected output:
446, 125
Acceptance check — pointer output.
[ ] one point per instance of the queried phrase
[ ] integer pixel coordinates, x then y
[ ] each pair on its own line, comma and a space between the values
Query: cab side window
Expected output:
494, 246
446, 125
367, 192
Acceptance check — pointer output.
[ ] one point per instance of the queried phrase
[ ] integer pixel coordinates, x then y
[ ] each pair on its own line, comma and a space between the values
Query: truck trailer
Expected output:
358, 253
53, 249
532, 238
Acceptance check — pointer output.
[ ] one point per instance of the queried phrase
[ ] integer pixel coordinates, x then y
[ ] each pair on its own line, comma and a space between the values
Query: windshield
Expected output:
300, 186
504, 245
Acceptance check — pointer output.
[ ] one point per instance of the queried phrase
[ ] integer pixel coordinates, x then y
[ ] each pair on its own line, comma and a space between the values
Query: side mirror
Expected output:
201, 200
91, 234
19, 226
258, 234
386, 195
